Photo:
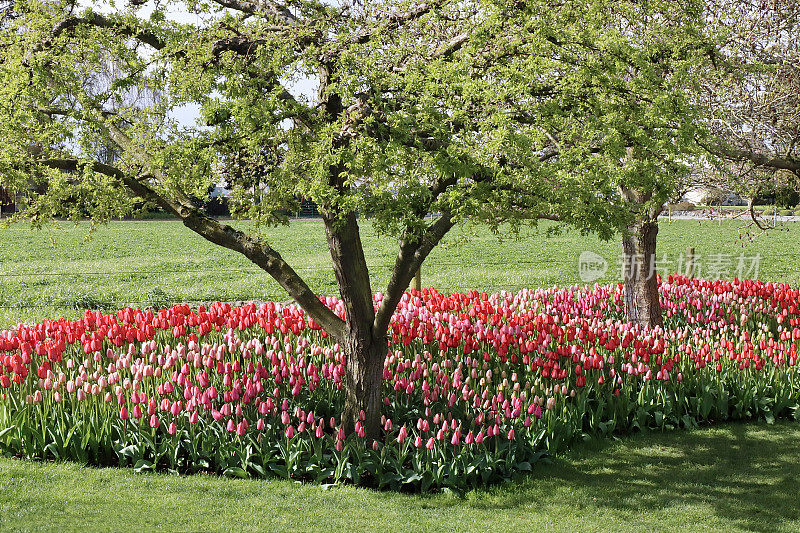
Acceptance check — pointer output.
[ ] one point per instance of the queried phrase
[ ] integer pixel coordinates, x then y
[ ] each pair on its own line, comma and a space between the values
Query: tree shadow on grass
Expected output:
748, 474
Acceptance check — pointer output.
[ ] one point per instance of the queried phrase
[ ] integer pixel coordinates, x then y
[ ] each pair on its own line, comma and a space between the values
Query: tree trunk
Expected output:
364, 347
639, 274
364, 381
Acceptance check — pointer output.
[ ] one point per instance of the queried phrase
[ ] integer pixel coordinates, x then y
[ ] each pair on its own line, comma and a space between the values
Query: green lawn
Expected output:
57, 272
740, 477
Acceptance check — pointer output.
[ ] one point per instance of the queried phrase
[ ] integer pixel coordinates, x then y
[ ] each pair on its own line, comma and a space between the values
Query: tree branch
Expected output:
243, 46
753, 216
224, 235
758, 158
97, 20
263, 7
397, 20
410, 257
451, 47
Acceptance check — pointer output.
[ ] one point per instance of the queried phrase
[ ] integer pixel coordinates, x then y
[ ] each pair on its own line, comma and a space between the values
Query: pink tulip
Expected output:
402, 434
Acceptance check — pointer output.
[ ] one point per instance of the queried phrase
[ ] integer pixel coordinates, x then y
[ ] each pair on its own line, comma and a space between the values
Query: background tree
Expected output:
752, 96
626, 110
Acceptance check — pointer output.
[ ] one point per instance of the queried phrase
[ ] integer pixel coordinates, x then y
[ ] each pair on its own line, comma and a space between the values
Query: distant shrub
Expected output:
88, 301
217, 207
714, 197
157, 298
682, 206
786, 213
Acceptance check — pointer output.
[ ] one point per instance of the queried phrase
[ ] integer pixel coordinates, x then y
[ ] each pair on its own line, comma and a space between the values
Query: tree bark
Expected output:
365, 354
639, 274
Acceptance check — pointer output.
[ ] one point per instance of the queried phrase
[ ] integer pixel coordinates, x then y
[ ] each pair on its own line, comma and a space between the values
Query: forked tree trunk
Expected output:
639, 274
364, 348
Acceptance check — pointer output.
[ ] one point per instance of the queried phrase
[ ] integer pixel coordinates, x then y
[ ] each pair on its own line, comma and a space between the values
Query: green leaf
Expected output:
235, 471
524, 466
143, 465
52, 448
258, 469
132, 451
6, 431
280, 470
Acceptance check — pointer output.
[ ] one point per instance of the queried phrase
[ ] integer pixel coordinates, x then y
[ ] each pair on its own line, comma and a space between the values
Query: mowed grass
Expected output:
63, 269
740, 477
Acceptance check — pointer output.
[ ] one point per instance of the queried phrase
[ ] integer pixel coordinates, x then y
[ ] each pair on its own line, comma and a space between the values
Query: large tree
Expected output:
476, 111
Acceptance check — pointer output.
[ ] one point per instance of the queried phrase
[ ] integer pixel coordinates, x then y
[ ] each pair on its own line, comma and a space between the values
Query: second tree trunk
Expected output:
639, 274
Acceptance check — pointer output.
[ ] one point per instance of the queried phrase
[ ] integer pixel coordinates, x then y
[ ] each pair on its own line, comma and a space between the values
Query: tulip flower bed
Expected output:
477, 387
